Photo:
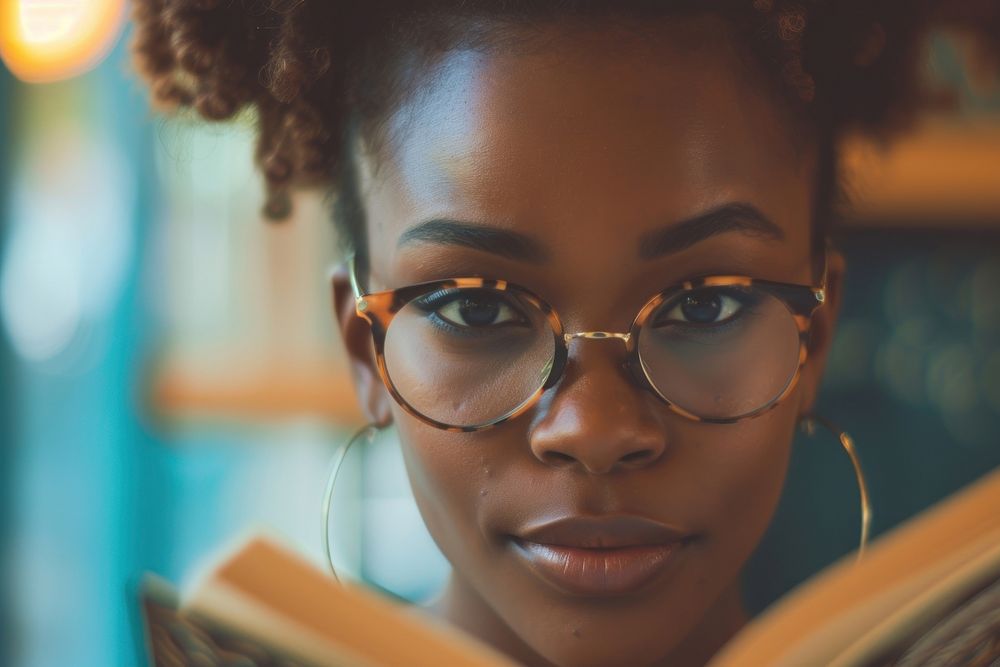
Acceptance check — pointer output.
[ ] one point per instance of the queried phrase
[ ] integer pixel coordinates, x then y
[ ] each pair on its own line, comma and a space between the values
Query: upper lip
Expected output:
602, 532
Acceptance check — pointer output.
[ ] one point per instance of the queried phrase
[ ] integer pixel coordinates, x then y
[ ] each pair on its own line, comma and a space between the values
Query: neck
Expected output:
463, 607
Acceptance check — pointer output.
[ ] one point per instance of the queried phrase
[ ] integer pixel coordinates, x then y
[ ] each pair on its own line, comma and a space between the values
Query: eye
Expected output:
703, 307
472, 309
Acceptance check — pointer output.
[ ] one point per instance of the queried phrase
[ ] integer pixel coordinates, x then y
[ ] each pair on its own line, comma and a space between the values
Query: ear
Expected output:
821, 332
372, 394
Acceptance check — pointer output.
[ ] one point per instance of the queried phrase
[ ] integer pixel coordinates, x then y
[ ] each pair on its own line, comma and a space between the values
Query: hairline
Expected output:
370, 133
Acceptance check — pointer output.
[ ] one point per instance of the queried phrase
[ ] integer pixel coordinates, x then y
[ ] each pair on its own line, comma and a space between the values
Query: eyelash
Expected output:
436, 301
746, 302
432, 303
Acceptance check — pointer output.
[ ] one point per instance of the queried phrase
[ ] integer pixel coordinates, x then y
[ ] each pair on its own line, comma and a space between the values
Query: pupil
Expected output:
701, 308
478, 311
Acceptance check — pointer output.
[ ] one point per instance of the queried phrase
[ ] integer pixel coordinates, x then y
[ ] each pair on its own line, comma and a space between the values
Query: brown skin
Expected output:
584, 143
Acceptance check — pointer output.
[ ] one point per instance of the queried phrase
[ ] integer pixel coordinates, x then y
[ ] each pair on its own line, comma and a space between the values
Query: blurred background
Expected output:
170, 376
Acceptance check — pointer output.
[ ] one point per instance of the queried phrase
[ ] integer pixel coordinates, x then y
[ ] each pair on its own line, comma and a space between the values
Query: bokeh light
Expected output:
49, 40
68, 245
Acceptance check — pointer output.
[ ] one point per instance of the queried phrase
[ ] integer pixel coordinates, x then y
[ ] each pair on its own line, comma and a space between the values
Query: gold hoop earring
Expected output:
367, 432
808, 424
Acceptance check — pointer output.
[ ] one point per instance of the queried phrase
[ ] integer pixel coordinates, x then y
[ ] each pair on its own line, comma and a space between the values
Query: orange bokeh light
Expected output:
49, 40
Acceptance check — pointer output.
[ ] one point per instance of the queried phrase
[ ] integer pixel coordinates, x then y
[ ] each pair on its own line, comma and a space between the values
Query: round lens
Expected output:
720, 352
468, 356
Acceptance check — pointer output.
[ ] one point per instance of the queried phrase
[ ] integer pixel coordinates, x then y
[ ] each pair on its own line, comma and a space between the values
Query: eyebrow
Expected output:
738, 217
741, 217
503, 242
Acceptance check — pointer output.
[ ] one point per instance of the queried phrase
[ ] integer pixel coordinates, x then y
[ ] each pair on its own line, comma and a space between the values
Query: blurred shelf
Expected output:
944, 174
254, 392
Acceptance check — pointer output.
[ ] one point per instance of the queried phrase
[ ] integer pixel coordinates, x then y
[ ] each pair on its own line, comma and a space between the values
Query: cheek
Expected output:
450, 477
741, 469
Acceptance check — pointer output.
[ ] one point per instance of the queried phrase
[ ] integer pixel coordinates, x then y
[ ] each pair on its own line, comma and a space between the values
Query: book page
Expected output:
818, 620
269, 592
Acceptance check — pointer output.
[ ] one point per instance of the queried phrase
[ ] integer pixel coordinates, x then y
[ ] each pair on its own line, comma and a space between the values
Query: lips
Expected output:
599, 556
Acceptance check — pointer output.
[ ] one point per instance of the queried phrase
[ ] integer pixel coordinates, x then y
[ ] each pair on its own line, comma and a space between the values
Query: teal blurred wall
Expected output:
6, 395
74, 519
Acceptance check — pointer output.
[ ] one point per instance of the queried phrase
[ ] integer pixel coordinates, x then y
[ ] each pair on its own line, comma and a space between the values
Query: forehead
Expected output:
585, 137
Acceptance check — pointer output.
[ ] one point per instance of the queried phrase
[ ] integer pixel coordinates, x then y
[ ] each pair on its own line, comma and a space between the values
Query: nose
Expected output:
596, 418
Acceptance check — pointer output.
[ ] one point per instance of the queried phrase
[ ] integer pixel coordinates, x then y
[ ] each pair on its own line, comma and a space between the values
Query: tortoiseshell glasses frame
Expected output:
379, 309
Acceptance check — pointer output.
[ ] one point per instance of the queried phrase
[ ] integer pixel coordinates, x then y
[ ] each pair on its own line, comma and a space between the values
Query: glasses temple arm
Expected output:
352, 270
820, 291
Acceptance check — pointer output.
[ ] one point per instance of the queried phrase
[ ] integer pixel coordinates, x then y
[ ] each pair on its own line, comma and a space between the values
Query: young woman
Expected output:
592, 284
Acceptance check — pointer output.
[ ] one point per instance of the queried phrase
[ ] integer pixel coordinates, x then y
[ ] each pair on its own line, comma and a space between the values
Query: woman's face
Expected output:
572, 151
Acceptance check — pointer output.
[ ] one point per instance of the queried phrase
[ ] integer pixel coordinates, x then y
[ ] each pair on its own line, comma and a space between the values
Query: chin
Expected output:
603, 649
607, 632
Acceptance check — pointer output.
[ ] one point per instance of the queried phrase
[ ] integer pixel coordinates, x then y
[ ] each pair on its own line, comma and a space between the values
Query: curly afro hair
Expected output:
315, 71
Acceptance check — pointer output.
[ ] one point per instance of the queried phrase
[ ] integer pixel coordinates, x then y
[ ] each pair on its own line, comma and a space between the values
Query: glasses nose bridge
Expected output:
598, 335
628, 361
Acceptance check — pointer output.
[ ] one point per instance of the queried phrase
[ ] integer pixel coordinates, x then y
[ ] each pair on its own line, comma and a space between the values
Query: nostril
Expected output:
640, 456
557, 458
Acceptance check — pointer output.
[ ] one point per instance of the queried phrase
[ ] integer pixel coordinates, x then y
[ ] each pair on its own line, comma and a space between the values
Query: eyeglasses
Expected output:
465, 354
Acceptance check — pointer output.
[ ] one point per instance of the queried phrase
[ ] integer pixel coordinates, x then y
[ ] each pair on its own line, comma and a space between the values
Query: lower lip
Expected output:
597, 572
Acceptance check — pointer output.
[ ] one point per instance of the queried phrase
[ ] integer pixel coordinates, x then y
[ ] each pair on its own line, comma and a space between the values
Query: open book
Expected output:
927, 593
